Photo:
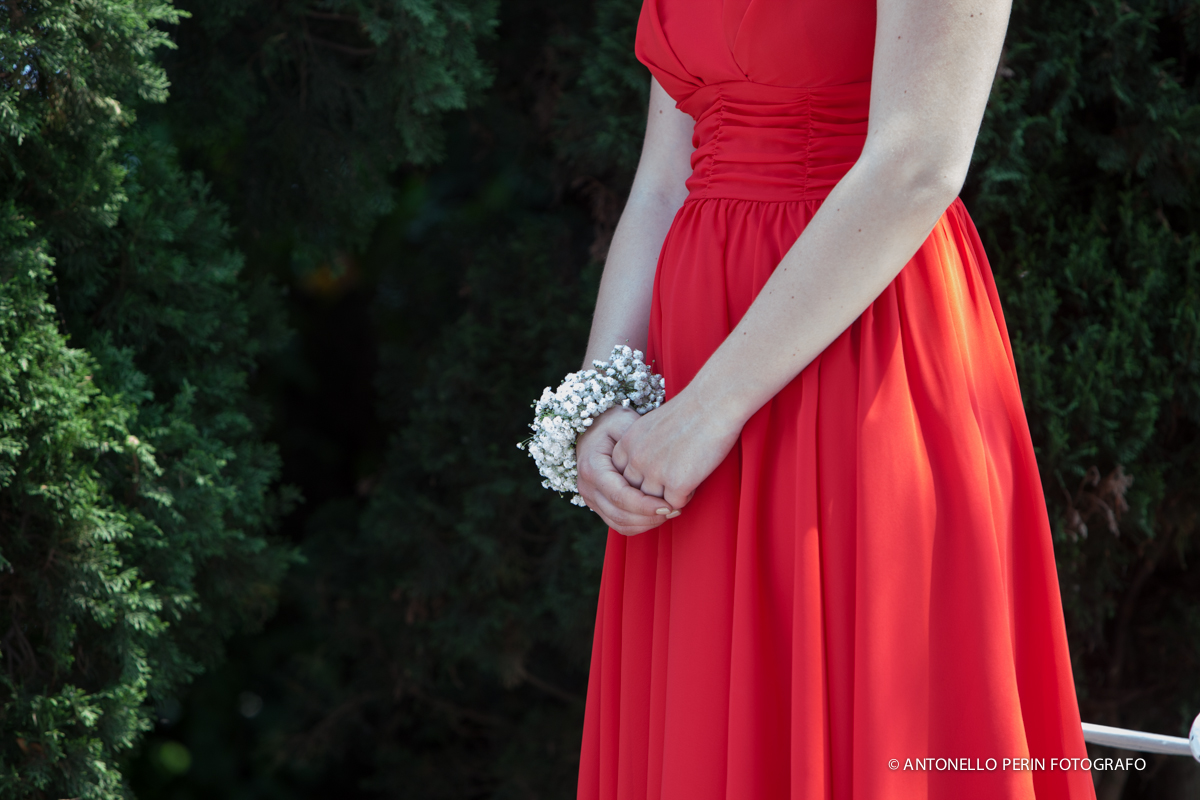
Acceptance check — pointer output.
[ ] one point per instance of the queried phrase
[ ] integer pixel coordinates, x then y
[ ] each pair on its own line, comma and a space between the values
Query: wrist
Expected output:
619, 417
712, 405
563, 414
719, 400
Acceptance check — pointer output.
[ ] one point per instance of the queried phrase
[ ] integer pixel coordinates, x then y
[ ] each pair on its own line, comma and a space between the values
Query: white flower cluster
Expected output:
562, 415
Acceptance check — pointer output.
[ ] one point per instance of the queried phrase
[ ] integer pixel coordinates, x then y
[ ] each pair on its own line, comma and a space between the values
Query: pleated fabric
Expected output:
869, 574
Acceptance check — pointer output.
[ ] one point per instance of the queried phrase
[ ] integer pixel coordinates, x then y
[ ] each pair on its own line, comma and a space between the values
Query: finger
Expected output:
633, 476
631, 531
620, 458
650, 488
629, 500
675, 498
606, 492
625, 530
622, 521
619, 527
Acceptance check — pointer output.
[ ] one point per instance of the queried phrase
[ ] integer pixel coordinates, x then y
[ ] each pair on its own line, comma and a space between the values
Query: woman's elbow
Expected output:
661, 194
924, 176
945, 178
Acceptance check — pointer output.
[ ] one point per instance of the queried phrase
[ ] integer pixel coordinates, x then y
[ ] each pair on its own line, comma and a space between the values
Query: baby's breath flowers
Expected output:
562, 415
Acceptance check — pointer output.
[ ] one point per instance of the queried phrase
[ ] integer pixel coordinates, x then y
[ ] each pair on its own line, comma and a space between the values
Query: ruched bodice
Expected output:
779, 90
868, 575
760, 142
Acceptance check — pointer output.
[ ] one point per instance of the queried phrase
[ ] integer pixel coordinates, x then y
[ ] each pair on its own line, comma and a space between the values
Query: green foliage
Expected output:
484, 583
1085, 191
602, 117
157, 300
486, 591
302, 110
134, 494
78, 621
435, 644
72, 75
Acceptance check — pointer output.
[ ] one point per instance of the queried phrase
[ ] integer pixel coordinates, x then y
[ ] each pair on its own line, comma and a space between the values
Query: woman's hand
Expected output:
669, 451
625, 509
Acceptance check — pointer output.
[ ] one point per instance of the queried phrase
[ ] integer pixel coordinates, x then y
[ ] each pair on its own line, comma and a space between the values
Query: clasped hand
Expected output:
638, 471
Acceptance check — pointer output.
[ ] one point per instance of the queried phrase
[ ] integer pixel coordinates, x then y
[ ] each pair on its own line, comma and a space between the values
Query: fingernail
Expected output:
674, 514
663, 511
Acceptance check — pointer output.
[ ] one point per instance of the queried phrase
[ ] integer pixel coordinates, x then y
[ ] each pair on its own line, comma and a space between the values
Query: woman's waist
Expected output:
782, 181
759, 142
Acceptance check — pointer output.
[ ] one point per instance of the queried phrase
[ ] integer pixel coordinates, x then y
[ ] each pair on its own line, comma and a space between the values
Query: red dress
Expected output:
869, 575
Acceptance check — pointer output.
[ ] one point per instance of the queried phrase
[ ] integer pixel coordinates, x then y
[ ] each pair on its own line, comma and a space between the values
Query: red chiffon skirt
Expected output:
868, 576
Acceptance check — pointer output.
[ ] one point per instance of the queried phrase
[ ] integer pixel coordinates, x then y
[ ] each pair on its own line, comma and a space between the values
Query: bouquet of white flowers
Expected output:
562, 415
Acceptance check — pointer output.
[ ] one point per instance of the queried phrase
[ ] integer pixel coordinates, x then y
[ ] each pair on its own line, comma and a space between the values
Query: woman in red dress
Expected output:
842, 569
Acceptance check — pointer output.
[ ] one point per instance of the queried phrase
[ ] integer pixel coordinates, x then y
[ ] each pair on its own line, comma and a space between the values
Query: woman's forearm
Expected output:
854, 246
623, 304
935, 61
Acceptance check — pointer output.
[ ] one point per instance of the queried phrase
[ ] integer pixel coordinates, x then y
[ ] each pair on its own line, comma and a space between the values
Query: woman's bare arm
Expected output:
622, 313
623, 305
934, 65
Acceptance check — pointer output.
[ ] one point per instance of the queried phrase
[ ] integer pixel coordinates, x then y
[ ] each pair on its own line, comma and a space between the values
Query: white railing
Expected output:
1145, 742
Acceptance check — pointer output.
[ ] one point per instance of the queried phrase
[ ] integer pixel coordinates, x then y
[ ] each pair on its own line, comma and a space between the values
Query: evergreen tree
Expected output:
435, 643
134, 490
301, 111
78, 622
